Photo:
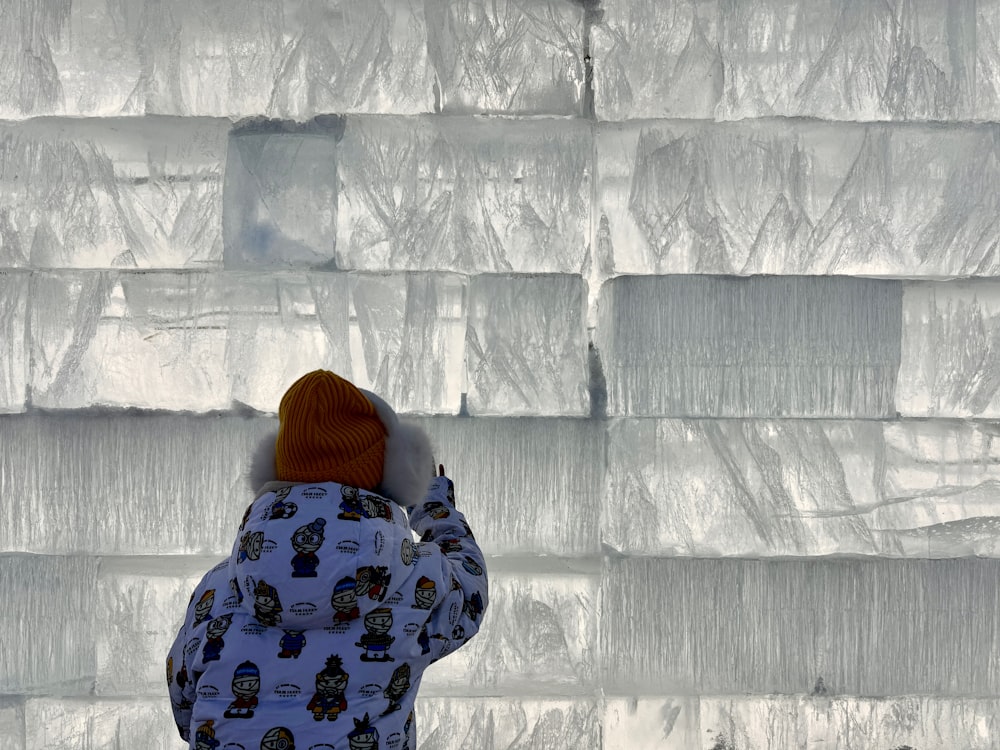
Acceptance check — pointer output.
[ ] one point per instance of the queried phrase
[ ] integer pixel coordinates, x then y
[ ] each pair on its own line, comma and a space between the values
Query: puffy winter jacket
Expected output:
317, 630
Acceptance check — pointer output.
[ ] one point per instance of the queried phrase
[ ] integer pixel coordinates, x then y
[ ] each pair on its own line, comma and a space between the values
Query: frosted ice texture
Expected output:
13, 318
12, 722
464, 195
508, 56
526, 345
50, 638
762, 346
801, 487
112, 193
731, 59
281, 194
772, 196
782, 722
950, 350
867, 627
86, 724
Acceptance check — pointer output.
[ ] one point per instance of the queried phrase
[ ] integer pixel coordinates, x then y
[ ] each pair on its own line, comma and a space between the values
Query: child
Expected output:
317, 630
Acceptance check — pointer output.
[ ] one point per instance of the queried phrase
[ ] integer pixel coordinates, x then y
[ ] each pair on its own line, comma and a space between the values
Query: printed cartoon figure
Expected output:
203, 609
246, 516
407, 728
425, 593
437, 510
237, 592
246, 685
280, 508
331, 682
278, 738
350, 504
305, 541
450, 545
373, 582
407, 551
363, 736
375, 507
377, 640
292, 643
399, 683
170, 670
216, 628
424, 641
204, 736
251, 544
345, 600
267, 606
473, 606
472, 566
182, 676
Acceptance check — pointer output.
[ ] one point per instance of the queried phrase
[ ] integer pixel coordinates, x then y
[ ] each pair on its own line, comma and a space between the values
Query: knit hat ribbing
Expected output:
329, 432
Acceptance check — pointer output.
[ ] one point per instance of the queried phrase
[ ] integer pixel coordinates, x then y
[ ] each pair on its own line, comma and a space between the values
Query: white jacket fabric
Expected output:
315, 633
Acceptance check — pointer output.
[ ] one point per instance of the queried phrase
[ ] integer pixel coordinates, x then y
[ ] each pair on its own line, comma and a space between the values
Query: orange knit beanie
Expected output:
329, 432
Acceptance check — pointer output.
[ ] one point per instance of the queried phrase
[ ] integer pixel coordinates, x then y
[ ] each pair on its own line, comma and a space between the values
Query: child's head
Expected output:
332, 431
329, 431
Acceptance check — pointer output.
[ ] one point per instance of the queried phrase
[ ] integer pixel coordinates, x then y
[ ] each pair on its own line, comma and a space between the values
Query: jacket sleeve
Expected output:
180, 682
450, 557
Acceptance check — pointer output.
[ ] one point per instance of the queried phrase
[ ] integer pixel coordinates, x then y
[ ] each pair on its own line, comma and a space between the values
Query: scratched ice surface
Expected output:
950, 350
798, 197
83, 723
871, 627
281, 193
526, 350
46, 598
407, 339
463, 194
12, 722
657, 59
921, 60
181, 341
528, 486
508, 56
760, 346
802, 487
13, 321
815, 721
116, 192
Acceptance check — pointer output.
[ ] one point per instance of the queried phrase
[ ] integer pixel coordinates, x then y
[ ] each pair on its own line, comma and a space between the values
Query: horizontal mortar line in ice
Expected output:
170, 178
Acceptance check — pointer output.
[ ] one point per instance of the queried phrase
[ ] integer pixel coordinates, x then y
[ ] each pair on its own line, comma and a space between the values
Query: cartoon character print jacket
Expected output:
317, 630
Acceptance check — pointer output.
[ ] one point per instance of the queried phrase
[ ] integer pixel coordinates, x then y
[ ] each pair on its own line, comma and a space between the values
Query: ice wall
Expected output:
697, 299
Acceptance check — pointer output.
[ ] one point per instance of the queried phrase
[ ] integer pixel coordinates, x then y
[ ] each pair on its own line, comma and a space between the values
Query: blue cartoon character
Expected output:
424, 593
377, 640
373, 581
364, 736
281, 507
305, 541
292, 643
398, 685
203, 609
277, 738
251, 544
350, 504
437, 510
204, 736
375, 507
331, 683
345, 600
266, 604
450, 545
245, 685
424, 641
472, 566
212, 650
237, 592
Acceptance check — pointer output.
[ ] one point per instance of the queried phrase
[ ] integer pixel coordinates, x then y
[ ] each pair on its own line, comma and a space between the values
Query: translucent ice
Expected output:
768, 346
867, 627
46, 601
122, 192
507, 56
526, 347
464, 195
281, 193
78, 723
950, 350
13, 318
785, 197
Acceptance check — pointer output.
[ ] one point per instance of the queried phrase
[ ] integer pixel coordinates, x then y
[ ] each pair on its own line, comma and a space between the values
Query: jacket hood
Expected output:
318, 555
407, 469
